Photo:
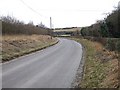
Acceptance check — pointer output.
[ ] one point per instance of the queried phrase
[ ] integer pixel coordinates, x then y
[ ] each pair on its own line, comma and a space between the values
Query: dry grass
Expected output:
17, 45
101, 66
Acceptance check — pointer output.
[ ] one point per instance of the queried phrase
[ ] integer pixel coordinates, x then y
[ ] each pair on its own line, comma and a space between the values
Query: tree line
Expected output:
104, 28
106, 31
11, 26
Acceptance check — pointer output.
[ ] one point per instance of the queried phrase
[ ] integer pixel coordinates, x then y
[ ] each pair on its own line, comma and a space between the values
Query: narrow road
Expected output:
53, 67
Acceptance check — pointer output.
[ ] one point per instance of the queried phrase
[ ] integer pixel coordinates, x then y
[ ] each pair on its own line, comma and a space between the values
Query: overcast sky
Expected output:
64, 13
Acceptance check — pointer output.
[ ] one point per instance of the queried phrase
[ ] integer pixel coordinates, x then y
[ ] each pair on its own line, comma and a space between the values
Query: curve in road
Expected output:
53, 67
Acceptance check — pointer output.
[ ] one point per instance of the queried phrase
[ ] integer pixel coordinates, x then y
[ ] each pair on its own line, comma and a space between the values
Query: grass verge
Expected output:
15, 46
101, 66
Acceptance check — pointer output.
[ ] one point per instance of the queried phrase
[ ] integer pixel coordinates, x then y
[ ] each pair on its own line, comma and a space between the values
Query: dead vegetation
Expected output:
101, 66
20, 38
12, 26
17, 45
110, 59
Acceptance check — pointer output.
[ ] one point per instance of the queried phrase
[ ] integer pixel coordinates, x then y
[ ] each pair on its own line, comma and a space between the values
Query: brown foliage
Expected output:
11, 26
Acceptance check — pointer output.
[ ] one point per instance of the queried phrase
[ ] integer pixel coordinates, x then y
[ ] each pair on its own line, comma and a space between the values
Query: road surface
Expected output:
53, 67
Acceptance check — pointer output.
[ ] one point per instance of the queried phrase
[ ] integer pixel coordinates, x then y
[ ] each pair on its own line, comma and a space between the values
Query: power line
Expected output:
37, 12
33, 9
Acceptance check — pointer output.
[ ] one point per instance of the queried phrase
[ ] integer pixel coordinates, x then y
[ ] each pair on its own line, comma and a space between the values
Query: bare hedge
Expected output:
112, 44
12, 26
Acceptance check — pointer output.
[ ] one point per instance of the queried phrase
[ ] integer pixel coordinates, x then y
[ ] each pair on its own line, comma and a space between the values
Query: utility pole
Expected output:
119, 5
51, 27
50, 23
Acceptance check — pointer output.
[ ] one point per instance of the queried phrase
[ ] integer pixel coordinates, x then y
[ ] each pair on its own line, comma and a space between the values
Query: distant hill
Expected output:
70, 31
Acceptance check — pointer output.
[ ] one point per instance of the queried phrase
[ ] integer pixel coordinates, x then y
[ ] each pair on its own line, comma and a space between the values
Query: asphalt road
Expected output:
53, 67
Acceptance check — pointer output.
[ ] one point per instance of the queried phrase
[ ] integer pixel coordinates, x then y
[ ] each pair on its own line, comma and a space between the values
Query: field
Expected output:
67, 31
17, 45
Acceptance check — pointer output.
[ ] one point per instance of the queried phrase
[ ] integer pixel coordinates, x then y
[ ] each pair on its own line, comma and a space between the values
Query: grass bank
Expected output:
17, 45
101, 66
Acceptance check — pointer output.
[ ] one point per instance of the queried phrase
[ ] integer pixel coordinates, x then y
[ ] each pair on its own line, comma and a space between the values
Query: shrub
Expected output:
118, 45
111, 44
